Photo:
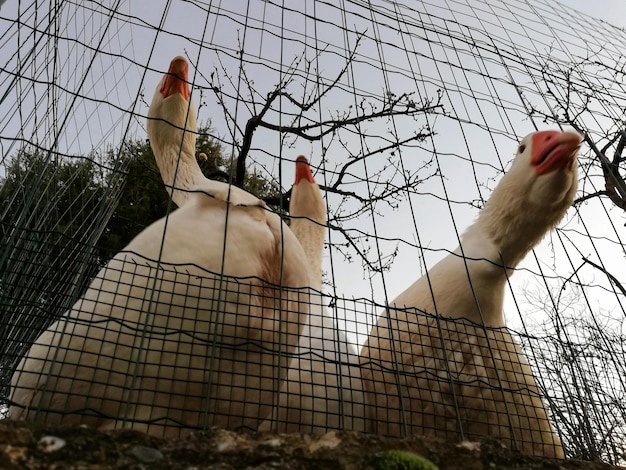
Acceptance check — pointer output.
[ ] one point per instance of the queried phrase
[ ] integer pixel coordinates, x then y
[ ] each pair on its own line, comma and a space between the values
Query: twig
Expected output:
608, 274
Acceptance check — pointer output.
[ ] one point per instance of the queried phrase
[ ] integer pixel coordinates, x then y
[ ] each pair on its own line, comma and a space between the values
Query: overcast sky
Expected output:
613, 11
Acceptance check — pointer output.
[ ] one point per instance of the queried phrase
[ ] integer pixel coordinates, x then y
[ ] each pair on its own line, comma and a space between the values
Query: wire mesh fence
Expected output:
135, 350
409, 114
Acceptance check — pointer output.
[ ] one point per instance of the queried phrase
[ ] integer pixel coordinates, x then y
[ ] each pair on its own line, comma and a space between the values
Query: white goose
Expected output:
172, 127
323, 389
191, 324
462, 368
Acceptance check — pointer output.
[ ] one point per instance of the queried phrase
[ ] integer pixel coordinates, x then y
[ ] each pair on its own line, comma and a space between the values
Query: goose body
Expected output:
440, 358
191, 325
323, 389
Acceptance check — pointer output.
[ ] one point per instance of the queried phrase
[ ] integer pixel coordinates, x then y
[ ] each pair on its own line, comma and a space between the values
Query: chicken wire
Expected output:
458, 84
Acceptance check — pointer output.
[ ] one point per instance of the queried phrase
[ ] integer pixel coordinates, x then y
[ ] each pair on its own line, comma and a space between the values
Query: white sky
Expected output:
613, 11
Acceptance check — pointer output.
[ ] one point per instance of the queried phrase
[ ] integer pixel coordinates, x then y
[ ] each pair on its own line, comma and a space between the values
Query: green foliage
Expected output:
52, 194
216, 166
48, 207
401, 460
72, 197
142, 200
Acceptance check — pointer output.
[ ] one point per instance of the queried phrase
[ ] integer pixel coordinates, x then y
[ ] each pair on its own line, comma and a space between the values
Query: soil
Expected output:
30, 446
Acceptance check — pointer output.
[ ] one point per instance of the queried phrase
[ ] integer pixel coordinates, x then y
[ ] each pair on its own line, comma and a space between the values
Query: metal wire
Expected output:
411, 111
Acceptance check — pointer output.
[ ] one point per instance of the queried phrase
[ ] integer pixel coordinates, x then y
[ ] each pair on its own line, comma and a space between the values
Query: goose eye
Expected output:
521, 148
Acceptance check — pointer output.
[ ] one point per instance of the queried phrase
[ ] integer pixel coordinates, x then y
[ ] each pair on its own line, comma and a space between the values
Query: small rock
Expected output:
330, 440
145, 454
468, 445
226, 441
15, 454
273, 442
50, 443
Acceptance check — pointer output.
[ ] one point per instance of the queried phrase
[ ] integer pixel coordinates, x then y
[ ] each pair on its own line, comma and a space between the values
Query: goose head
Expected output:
534, 195
545, 165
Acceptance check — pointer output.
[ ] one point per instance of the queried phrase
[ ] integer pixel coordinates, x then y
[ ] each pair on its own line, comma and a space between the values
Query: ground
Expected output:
27, 446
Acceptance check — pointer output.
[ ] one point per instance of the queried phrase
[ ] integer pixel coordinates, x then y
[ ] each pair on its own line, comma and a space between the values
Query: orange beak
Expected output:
303, 170
175, 81
554, 150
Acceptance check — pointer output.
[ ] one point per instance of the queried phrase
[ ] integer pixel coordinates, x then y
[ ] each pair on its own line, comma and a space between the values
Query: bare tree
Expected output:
577, 357
294, 117
573, 89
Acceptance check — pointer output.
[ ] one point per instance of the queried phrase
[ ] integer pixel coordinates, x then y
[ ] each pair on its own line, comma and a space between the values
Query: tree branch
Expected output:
289, 115
608, 274
615, 186
589, 196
